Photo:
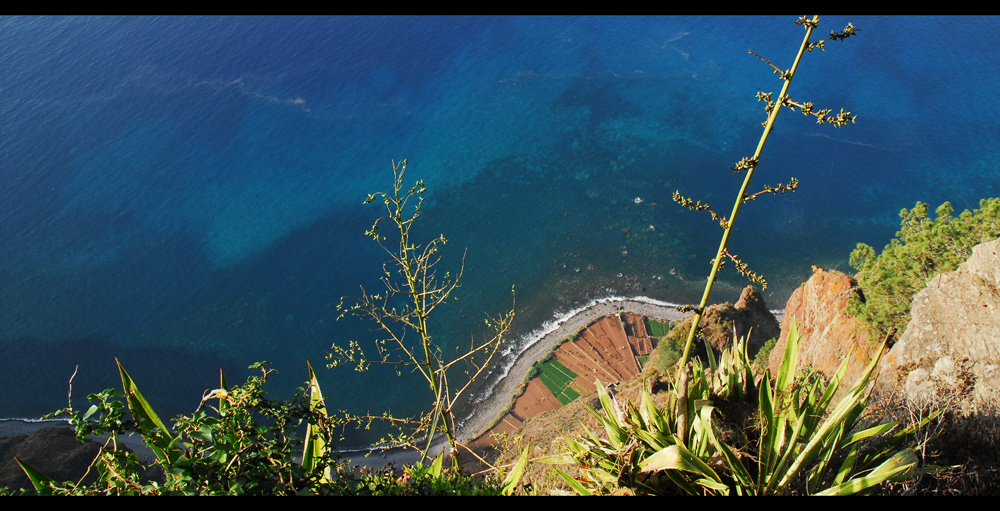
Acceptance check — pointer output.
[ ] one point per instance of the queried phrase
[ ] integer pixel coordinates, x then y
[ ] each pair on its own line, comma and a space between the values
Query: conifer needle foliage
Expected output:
923, 248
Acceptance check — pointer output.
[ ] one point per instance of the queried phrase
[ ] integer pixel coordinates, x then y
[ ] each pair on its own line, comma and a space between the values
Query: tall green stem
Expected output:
418, 293
721, 253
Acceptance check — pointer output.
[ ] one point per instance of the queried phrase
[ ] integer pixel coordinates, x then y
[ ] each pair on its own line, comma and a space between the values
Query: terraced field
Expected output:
657, 329
559, 380
608, 350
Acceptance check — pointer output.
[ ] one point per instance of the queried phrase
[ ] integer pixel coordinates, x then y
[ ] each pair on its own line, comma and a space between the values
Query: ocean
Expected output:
185, 193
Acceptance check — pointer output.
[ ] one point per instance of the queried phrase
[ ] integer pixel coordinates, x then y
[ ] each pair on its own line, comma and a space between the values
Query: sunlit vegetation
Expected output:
923, 248
658, 329
559, 379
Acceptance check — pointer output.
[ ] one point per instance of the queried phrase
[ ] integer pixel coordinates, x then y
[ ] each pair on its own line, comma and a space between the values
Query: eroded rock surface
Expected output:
749, 315
951, 347
53, 451
827, 334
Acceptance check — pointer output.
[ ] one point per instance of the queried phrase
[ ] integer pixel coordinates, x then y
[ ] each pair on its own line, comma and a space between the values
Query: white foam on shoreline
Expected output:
486, 400
513, 354
530, 339
520, 346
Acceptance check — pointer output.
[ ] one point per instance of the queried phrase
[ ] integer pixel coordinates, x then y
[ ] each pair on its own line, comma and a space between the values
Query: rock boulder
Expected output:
53, 451
749, 315
951, 347
827, 334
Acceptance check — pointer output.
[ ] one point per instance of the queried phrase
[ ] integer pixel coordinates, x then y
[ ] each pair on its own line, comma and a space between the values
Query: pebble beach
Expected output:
490, 409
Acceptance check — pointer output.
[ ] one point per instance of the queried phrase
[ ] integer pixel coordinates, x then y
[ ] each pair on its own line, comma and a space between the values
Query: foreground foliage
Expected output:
248, 444
258, 446
923, 248
412, 290
796, 440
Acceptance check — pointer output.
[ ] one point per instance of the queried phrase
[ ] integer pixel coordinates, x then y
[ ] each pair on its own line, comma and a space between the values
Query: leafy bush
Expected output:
923, 247
248, 444
532, 373
666, 353
760, 359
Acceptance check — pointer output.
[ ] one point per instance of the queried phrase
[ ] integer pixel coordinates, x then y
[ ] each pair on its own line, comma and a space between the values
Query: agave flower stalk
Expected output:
750, 164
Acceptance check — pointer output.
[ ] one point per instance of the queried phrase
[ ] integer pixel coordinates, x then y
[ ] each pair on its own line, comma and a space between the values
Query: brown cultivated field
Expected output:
606, 350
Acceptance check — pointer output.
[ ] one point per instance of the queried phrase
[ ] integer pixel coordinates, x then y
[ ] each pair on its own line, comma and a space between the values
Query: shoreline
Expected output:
489, 409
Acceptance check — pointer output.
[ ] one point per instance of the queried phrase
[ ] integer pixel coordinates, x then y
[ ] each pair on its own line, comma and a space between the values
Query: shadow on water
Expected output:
601, 97
35, 385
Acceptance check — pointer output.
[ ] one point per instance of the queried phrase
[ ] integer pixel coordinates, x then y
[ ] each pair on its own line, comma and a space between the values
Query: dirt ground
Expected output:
607, 350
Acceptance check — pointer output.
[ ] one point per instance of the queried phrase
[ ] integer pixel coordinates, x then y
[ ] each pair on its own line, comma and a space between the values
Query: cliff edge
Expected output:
951, 347
828, 333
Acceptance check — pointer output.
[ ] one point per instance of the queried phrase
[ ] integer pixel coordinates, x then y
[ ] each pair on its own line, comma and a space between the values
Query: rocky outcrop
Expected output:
53, 451
951, 347
827, 334
749, 315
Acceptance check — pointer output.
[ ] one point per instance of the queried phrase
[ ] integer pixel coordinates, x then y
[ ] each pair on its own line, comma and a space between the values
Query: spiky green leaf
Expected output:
573, 483
153, 430
514, 477
678, 457
896, 468
315, 445
39, 480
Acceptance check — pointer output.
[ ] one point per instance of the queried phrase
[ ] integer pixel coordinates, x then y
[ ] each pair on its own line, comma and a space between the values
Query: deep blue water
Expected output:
185, 193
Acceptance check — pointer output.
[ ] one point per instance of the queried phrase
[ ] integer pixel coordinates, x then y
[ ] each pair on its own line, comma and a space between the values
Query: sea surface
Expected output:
185, 193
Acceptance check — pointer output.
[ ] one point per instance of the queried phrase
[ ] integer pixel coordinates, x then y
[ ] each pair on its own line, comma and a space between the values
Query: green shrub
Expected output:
532, 373
760, 360
923, 247
666, 354
248, 444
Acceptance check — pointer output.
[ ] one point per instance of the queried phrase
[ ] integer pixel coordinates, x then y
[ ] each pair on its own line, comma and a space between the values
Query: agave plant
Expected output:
647, 436
802, 444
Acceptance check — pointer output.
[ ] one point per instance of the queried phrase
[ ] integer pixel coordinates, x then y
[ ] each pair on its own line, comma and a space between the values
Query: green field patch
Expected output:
558, 379
642, 360
658, 329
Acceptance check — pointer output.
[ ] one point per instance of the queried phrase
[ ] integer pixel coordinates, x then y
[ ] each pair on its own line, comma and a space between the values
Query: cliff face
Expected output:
828, 334
949, 350
750, 316
951, 347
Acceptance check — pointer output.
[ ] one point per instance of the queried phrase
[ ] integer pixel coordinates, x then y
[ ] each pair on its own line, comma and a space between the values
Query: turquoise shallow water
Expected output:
185, 193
